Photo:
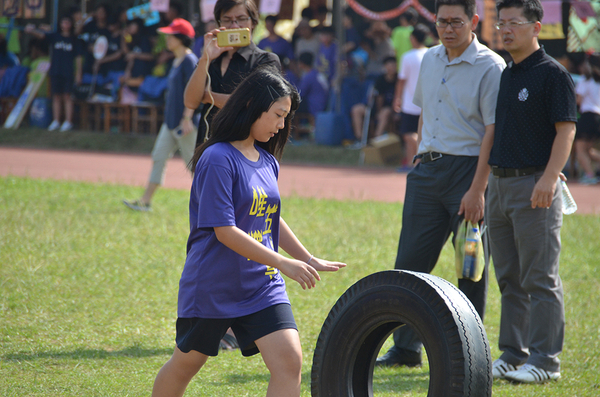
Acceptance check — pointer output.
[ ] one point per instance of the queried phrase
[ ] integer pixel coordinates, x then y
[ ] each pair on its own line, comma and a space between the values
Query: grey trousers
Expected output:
525, 245
166, 144
434, 191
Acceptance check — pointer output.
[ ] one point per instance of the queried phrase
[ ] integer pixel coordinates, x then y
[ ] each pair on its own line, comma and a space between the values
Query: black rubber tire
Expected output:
368, 312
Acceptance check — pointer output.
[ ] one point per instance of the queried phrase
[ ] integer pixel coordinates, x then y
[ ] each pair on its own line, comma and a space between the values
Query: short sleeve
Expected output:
581, 87
560, 97
404, 65
271, 59
488, 93
213, 185
418, 97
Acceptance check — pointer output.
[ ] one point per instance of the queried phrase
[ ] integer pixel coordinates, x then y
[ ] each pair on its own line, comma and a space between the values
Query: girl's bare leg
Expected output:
282, 353
56, 106
582, 151
68, 108
176, 374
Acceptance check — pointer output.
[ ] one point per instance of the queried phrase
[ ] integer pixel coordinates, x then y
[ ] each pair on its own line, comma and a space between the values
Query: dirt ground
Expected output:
340, 183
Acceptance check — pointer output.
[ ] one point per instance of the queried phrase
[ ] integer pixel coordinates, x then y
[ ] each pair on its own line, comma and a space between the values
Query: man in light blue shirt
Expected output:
457, 91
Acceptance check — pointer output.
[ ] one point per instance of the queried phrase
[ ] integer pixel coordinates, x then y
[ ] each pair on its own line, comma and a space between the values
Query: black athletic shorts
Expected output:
204, 334
408, 123
588, 127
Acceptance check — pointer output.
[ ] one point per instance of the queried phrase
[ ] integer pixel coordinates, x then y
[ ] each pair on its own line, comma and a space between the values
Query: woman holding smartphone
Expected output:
227, 66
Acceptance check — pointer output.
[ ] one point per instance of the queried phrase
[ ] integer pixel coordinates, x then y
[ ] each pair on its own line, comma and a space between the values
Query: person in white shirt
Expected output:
405, 90
588, 127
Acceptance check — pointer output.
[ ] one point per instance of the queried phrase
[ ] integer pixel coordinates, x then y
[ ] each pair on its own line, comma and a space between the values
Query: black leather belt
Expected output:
512, 172
429, 156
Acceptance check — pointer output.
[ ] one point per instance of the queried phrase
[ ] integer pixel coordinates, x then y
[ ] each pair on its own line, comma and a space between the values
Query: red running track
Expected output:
340, 183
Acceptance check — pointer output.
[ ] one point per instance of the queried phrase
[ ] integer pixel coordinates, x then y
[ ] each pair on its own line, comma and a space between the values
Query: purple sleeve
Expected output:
213, 187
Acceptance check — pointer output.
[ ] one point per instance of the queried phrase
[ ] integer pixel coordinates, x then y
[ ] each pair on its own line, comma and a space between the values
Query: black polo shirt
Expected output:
241, 64
534, 95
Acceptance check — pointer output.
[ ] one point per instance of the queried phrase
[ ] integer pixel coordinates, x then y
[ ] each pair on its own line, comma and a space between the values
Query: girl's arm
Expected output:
30, 28
124, 47
78, 69
237, 240
142, 56
290, 244
112, 57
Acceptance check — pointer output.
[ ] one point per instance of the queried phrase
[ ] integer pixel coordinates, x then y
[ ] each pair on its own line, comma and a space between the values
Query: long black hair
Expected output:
254, 96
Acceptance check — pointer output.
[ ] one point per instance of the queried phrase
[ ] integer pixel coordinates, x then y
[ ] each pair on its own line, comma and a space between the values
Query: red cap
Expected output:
181, 26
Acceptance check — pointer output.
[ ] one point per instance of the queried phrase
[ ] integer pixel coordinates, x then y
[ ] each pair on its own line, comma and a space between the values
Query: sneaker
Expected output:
501, 367
399, 359
356, 145
531, 374
137, 205
54, 125
589, 180
66, 126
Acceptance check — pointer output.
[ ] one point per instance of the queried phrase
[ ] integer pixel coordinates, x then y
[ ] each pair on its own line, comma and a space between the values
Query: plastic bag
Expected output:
468, 248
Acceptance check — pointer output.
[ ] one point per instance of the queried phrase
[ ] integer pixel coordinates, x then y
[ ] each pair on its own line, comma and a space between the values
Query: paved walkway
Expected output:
339, 183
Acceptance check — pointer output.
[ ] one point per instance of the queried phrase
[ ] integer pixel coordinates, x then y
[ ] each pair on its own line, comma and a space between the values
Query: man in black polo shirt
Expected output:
535, 127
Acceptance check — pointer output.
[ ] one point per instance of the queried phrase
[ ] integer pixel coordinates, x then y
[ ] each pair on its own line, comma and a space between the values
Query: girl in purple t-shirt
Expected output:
231, 277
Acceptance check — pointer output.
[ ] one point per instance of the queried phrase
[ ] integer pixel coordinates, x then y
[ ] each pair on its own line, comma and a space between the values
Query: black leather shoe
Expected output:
399, 358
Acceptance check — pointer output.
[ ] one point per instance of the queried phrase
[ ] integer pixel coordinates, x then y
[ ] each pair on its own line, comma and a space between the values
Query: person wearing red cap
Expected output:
227, 66
177, 130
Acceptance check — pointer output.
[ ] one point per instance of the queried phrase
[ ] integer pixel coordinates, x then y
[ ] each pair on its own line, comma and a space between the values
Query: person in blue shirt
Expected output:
177, 131
275, 43
233, 270
313, 86
327, 59
64, 48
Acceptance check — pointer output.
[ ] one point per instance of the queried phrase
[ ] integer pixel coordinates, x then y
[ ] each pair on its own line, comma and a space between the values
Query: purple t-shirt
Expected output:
314, 89
281, 47
327, 60
230, 190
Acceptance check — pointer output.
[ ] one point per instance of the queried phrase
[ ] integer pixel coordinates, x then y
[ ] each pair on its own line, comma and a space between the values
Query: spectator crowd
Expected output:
371, 85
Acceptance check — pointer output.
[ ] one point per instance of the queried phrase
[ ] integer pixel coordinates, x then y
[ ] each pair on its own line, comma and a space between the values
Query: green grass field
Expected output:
88, 292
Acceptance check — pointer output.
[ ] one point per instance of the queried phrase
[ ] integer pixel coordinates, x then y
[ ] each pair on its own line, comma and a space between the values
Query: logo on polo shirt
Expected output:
523, 94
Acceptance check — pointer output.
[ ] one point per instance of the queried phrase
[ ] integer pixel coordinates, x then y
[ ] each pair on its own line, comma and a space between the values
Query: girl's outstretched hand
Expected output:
325, 266
299, 271
307, 274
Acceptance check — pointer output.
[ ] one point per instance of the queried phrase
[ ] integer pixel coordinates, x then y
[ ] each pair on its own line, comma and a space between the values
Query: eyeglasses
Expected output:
230, 21
511, 24
456, 24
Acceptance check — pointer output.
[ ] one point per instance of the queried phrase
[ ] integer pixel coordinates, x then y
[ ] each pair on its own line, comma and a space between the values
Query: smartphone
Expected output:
233, 37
